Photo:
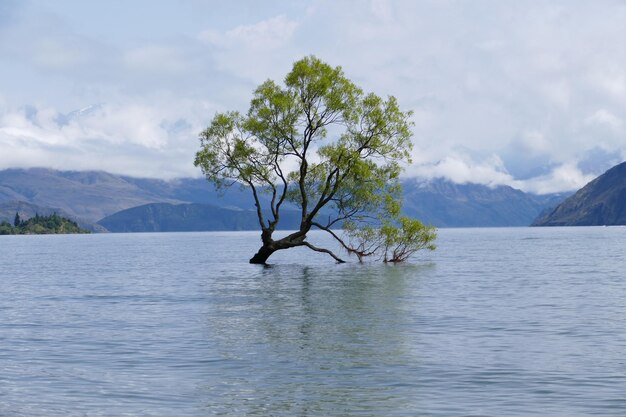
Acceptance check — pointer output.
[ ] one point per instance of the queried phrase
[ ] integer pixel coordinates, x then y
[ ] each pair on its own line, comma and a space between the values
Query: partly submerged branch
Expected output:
362, 249
316, 249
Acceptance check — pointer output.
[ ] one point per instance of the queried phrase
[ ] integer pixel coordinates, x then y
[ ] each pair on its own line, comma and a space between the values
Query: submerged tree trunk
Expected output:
268, 248
262, 255
295, 239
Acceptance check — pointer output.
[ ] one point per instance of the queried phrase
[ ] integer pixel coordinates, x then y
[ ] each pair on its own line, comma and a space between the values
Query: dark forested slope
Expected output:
601, 202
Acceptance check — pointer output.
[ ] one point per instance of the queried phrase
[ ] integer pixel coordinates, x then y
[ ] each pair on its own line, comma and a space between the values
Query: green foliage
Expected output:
53, 224
394, 240
6, 228
317, 142
400, 242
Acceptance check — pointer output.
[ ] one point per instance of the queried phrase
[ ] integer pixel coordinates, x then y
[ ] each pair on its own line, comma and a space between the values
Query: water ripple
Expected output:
497, 322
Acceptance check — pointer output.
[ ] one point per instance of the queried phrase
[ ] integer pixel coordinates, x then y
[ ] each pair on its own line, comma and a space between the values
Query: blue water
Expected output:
496, 322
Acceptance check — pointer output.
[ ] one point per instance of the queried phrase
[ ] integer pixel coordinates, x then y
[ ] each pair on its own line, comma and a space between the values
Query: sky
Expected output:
530, 94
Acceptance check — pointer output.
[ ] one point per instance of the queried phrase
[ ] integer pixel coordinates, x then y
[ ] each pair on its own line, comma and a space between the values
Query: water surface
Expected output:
496, 322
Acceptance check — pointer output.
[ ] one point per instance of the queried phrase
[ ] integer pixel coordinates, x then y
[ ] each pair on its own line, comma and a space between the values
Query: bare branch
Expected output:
360, 251
257, 203
316, 249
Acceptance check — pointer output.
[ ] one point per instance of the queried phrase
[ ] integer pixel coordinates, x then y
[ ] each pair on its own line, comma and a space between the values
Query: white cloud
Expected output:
155, 58
266, 34
382, 10
534, 142
491, 171
490, 44
254, 52
566, 177
57, 54
557, 93
611, 80
136, 139
462, 169
604, 117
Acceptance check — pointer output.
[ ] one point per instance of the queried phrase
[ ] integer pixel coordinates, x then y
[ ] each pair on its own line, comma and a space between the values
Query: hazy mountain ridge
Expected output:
91, 196
164, 217
601, 202
446, 204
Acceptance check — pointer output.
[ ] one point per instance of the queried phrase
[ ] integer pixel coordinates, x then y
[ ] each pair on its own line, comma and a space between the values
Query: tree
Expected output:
5, 228
319, 143
17, 222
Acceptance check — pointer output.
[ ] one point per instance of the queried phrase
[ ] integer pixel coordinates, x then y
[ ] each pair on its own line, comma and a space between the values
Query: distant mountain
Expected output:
65, 119
90, 196
86, 195
445, 204
196, 190
164, 217
93, 195
601, 202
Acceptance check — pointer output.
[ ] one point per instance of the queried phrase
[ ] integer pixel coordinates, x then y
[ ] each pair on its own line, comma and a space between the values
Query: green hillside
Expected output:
40, 225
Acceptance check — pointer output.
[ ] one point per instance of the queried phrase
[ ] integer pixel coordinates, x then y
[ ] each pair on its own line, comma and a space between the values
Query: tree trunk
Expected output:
261, 256
270, 246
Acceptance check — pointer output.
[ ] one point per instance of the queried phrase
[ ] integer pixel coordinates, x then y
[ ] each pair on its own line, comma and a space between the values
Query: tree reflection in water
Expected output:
305, 340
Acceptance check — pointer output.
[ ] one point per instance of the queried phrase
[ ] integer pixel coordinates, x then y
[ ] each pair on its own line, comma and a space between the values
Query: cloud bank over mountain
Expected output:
531, 95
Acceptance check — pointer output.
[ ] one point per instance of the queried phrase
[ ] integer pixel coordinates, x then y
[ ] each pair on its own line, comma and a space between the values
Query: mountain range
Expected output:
446, 204
192, 217
101, 200
602, 202
93, 195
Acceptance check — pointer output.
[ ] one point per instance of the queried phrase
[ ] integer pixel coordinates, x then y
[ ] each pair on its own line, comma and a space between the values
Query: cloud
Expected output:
157, 140
566, 177
256, 51
45, 43
503, 93
58, 54
382, 9
266, 34
610, 79
604, 117
534, 142
463, 169
491, 171
156, 58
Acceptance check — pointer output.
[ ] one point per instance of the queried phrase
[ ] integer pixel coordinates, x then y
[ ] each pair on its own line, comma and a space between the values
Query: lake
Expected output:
496, 322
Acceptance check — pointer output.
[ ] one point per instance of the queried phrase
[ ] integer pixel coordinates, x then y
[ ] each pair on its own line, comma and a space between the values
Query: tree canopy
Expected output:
321, 144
